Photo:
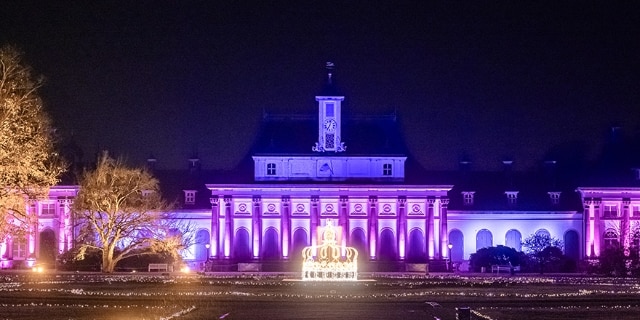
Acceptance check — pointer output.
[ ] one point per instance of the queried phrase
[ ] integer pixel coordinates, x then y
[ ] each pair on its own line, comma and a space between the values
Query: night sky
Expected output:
486, 79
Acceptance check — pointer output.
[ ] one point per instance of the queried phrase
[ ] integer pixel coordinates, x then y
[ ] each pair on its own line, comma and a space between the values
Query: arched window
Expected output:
543, 233
513, 239
484, 239
610, 238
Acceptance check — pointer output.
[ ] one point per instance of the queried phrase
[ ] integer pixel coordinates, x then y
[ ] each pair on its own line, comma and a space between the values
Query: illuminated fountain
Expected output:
329, 261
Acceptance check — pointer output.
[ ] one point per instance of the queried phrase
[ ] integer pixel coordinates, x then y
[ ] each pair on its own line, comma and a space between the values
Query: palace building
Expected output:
354, 172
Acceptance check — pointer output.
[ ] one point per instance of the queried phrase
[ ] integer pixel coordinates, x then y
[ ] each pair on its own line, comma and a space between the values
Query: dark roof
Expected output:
533, 191
296, 134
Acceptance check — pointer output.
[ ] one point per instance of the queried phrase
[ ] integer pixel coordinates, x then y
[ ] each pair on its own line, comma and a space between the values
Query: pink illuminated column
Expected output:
624, 226
313, 228
431, 247
444, 234
215, 225
402, 227
228, 217
284, 226
597, 230
65, 227
257, 226
589, 224
373, 226
344, 220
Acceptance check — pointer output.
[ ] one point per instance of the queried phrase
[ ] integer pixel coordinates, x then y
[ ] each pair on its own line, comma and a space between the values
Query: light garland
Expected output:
329, 265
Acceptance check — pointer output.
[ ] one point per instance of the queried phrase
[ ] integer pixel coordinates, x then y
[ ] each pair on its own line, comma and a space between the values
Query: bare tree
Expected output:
29, 164
543, 248
119, 212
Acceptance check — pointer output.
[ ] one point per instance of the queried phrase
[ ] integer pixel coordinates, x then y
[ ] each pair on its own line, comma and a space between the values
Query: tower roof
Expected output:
329, 87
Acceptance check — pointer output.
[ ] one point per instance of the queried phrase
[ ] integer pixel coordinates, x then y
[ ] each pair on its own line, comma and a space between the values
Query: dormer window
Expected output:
189, 196
467, 197
512, 197
555, 197
271, 169
387, 169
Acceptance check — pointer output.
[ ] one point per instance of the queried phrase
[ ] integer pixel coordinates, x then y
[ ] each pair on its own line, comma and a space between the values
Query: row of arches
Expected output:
387, 250
513, 239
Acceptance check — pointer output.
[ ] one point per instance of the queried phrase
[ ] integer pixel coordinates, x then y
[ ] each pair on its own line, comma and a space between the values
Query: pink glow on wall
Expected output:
401, 247
285, 247
372, 248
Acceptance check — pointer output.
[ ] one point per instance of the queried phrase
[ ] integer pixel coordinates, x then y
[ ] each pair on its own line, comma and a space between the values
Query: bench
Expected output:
158, 267
508, 268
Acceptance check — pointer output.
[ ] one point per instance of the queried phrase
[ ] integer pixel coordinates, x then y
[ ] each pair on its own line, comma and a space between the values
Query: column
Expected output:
597, 230
402, 227
431, 244
215, 227
343, 220
588, 229
228, 216
313, 226
624, 226
373, 227
444, 232
256, 237
285, 241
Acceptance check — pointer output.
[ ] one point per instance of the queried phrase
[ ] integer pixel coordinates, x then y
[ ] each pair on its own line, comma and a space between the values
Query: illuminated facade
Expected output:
355, 171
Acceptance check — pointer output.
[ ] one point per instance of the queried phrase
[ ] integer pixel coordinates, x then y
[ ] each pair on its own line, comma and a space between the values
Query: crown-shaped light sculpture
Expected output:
327, 262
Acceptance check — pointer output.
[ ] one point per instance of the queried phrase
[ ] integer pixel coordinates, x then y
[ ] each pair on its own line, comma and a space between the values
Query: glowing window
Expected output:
467, 197
610, 239
636, 211
19, 248
47, 209
610, 211
329, 110
271, 169
189, 196
386, 169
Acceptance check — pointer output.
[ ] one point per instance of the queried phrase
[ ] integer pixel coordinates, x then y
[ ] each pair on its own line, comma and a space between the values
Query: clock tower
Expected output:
329, 117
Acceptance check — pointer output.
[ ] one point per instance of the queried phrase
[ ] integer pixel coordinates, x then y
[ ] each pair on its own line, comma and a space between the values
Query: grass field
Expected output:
149, 296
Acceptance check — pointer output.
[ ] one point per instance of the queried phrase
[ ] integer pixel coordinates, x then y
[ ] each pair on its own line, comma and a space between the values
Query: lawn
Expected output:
175, 296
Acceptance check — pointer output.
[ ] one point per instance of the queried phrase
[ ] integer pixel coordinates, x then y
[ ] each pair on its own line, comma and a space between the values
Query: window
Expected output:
146, 192
329, 110
555, 197
636, 211
610, 211
19, 248
271, 169
512, 197
467, 197
610, 239
189, 196
543, 233
47, 209
386, 169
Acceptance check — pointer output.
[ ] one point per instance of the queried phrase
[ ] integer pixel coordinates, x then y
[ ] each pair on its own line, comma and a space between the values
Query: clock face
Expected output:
330, 125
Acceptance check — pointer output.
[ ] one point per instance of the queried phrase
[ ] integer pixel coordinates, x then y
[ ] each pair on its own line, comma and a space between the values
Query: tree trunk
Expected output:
107, 260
